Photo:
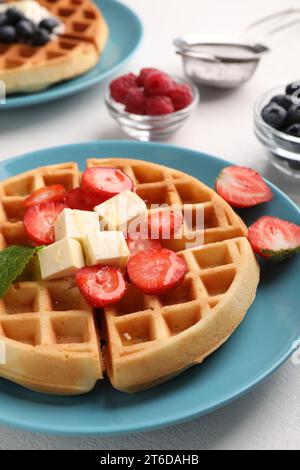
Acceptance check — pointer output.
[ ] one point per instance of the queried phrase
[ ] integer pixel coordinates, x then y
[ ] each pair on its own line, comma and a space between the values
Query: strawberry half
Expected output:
242, 187
101, 285
141, 244
156, 270
39, 222
105, 183
274, 238
54, 193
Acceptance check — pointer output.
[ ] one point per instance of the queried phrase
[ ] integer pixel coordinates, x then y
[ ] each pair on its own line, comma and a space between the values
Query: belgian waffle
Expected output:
148, 339
25, 68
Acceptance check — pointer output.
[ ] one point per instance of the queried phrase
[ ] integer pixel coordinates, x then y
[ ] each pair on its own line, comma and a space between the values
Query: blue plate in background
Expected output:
262, 343
125, 34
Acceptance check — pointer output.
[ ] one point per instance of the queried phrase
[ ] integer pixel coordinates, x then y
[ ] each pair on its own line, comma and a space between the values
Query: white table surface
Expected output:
222, 125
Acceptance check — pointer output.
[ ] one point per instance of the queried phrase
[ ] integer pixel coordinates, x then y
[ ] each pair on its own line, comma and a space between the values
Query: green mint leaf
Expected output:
13, 261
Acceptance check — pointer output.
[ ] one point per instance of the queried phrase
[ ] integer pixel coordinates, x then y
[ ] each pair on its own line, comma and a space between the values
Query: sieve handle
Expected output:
278, 22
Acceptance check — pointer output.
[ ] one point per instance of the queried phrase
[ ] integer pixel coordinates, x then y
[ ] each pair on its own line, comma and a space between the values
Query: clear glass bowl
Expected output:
147, 128
283, 149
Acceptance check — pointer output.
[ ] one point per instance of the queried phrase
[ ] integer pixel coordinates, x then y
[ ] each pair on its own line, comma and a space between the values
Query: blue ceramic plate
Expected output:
125, 35
260, 345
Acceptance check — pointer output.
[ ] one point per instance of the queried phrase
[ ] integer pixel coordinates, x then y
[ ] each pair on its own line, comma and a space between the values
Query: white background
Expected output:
222, 125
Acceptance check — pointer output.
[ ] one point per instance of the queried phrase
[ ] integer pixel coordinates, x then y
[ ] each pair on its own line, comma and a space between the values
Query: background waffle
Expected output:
26, 68
146, 339
82, 19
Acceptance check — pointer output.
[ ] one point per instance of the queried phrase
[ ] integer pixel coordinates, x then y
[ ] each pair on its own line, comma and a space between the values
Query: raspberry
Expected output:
157, 83
135, 101
156, 105
143, 74
181, 95
120, 86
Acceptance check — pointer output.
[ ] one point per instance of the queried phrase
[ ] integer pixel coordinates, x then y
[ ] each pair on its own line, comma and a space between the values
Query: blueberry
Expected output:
49, 24
14, 15
274, 115
8, 34
286, 101
3, 19
293, 88
25, 29
294, 130
294, 164
40, 37
293, 115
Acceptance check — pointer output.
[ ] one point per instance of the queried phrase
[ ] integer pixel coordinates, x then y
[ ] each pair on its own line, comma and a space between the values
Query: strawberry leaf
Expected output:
277, 256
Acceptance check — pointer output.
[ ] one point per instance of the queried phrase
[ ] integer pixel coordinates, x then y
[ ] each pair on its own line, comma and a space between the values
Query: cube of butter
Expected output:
117, 212
108, 248
75, 224
61, 259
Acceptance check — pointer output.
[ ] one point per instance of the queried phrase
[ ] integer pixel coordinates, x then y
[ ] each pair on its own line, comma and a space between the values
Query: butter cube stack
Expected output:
79, 241
117, 213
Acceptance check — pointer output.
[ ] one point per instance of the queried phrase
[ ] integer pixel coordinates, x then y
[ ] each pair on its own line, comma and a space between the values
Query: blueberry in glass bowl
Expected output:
277, 126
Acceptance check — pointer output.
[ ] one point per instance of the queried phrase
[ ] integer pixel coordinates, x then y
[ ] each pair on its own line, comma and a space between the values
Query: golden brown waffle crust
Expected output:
167, 333
26, 69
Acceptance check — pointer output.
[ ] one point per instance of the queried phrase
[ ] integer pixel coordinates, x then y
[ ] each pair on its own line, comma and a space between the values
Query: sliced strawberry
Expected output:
39, 222
242, 187
274, 238
155, 271
142, 244
77, 199
55, 193
101, 285
163, 224
105, 182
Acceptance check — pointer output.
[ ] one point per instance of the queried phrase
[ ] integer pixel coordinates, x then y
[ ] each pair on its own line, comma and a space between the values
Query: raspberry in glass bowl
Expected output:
151, 105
